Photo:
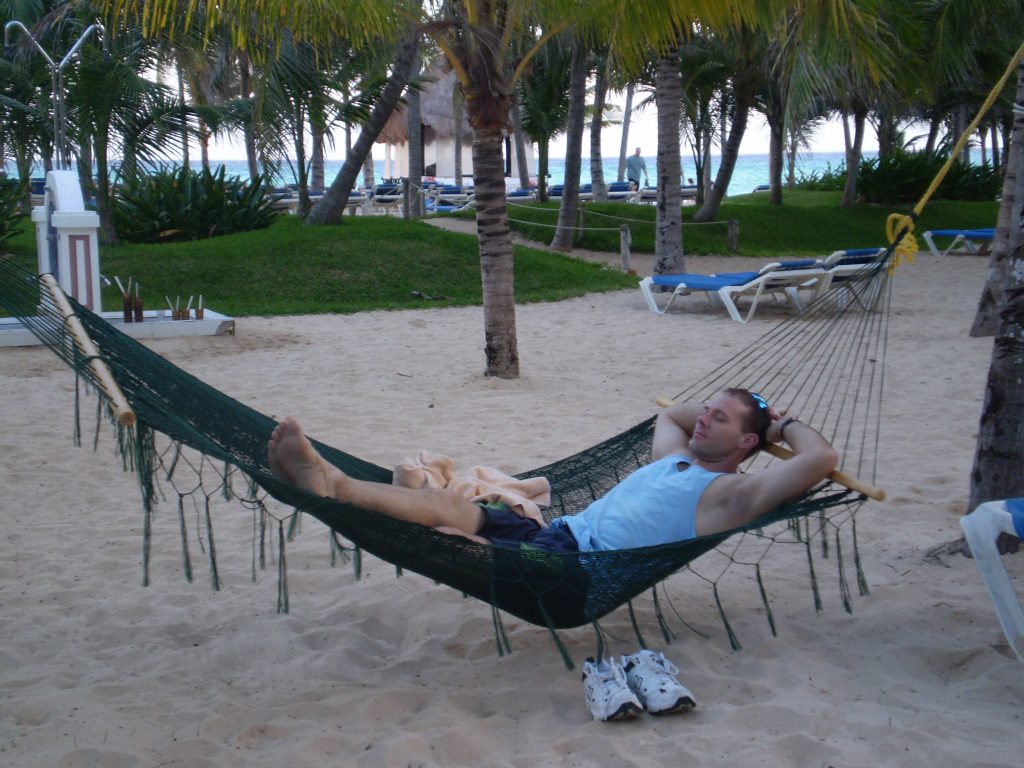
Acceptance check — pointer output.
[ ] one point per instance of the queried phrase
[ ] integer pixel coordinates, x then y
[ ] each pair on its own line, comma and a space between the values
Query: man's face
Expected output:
720, 430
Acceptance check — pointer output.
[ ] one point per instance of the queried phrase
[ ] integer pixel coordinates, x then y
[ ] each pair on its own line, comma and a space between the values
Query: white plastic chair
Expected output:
981, 528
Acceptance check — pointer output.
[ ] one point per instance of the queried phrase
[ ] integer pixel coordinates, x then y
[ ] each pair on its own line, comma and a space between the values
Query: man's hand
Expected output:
772, 435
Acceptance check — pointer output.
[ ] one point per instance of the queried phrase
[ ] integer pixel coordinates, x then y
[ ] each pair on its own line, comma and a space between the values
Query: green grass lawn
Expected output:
807, 224
378, 262
365, 263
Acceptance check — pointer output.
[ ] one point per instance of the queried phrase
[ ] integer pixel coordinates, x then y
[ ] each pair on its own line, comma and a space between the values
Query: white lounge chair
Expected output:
521, 195
782, 280
622, 191
975, 241
649, 195
386, 197
981, 528
449, 197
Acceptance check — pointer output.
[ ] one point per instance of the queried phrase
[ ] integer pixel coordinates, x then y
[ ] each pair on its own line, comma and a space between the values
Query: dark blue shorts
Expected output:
503, 526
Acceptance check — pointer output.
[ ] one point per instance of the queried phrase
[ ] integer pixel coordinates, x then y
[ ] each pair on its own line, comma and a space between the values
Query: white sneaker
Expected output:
652, 678
608, 694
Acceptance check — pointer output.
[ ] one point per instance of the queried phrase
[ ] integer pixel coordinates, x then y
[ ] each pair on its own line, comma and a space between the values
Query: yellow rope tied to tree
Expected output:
901, 226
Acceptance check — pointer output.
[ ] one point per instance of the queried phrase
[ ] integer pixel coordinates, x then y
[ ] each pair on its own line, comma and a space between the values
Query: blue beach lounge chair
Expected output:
622, 191
975, 241
779, 279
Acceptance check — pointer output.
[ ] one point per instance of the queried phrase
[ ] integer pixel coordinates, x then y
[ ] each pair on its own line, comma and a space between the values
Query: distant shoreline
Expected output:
751, 170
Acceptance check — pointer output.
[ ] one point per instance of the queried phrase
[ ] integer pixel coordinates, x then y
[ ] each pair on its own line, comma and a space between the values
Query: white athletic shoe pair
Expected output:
641, 681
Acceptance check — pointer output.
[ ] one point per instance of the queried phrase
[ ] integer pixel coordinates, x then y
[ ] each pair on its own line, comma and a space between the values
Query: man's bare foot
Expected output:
292, 457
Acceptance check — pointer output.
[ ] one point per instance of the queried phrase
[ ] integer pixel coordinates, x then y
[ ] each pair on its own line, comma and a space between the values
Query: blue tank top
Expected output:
656, 504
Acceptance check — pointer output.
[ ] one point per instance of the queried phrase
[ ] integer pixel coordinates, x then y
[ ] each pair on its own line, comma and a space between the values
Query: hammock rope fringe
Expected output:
836, 391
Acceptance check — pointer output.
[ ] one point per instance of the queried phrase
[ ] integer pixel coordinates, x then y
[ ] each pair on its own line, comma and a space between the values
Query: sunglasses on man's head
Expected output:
759, 399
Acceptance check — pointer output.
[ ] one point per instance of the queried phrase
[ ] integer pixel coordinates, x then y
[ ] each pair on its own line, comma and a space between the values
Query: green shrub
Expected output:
175, 204
829, 180
11, 215
904, 176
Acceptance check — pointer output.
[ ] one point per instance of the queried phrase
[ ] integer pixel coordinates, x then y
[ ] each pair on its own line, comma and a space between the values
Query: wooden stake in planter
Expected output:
118, 403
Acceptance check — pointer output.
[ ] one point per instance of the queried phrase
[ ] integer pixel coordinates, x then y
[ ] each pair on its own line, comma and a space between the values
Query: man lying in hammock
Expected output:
690, 489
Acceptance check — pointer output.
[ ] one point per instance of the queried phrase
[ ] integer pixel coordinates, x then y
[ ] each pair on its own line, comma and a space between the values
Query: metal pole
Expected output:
61, 152
624, 242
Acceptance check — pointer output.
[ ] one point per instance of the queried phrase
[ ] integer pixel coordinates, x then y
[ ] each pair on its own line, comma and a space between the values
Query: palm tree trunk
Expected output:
107, 232
1000, 451
961, 125
600, 189
668, 237
300, 160
496, 262
316, 159
933, 134
627, 111
542, 170
368, 169
184, 124
332, 204
853, 155
414, 125
730, 151
792, 147
249, 130
204, 144
573, 149
522, 166
458, 110
776, 143
705, 175
1008, 237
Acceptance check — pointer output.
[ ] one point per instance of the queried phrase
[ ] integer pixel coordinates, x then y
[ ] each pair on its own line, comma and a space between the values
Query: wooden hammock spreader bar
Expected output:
837, 476
118, 403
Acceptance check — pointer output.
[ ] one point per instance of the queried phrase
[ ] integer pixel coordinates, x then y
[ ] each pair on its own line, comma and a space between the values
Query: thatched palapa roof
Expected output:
436, 111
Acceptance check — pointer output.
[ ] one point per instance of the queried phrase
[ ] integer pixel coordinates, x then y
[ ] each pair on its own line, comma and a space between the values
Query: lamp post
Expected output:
61, 150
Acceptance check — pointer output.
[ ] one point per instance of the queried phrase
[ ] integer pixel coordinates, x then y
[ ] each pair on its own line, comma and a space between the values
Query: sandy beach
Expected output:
98, 671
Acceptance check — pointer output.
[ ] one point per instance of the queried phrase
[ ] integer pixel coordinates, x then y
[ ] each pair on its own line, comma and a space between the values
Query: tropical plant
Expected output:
177, 203
543, 92
11, 212
488, 45
903, 176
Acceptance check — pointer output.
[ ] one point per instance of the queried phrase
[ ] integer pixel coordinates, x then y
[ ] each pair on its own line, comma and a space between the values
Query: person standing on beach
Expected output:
635, 166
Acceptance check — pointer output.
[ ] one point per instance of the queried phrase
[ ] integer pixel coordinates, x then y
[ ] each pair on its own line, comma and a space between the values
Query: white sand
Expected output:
96, 670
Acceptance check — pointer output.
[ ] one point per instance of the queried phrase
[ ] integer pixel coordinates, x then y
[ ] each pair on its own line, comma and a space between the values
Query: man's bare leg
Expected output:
293, 458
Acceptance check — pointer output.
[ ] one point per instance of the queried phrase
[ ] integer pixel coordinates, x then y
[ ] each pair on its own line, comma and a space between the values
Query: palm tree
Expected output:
627, 114
705, 75
330, 208
569, 207
1000, 451
668, 244
748, 48
25, 112
543, 93
487, 44
603, 64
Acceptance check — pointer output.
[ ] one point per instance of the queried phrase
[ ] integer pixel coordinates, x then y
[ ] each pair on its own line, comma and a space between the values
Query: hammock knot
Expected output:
901, 226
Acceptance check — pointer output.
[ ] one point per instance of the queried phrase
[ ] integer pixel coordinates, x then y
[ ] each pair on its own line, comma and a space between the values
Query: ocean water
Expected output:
750, 171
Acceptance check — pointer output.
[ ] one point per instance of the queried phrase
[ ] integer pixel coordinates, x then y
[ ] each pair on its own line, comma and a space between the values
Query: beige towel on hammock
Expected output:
523, 496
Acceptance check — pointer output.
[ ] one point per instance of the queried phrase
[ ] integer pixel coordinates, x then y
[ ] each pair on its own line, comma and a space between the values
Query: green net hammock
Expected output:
825, 364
